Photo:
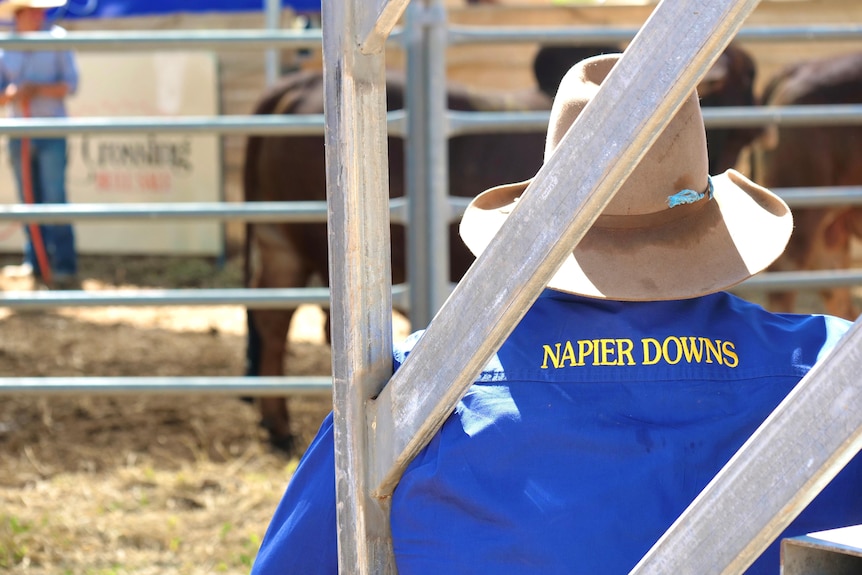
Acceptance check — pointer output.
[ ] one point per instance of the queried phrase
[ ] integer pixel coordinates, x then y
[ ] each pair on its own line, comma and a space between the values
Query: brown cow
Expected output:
815, 156
730, 82
292, 169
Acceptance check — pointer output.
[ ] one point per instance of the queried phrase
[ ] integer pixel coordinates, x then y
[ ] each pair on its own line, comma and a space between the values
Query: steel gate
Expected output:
354, 80
425, 38
382, 423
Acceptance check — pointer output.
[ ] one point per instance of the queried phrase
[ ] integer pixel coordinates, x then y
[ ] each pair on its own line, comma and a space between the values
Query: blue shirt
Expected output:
588, 434
39, 67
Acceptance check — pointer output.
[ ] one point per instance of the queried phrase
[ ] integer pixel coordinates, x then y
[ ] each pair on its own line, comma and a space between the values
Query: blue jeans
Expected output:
48, 169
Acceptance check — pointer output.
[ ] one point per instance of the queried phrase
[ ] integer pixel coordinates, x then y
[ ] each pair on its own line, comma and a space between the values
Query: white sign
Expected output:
130, 167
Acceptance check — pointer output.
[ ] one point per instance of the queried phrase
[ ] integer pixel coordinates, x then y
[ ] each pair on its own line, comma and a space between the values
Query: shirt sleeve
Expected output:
68, 69
302, 536
835, 330
4, 77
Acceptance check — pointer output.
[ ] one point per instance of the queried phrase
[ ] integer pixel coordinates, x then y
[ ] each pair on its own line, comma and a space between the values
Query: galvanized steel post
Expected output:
359, 263
272, 11
427, 156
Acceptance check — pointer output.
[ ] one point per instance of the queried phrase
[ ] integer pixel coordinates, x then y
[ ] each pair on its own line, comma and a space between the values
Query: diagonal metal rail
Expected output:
376, 22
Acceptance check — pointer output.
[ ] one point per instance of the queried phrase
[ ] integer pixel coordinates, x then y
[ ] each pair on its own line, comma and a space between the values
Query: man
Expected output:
624, 389
36, 83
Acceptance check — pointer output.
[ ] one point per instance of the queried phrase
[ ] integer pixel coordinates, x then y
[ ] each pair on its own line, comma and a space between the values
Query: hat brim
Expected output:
726, 240
8, 9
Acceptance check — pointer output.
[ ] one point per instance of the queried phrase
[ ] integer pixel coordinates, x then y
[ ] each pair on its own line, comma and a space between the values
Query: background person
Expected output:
40, 80
625, 388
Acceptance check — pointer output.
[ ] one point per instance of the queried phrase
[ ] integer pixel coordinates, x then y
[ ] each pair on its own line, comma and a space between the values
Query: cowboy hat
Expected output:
8, 8
671, 231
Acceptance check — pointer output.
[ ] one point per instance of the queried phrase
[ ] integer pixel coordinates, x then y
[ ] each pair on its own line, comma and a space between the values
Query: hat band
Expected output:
684, 204
690, 196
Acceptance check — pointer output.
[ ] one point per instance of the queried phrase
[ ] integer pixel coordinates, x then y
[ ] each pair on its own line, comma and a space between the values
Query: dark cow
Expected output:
292, 169
551, 63
729, 82
815, 156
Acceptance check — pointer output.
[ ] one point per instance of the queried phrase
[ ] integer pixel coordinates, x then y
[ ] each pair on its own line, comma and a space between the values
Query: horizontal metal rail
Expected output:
811, 32
253, 298
293, 212
257, 298
821, 197
768, 281
284, 212
256, 39
126, 40
261, 125
754, 116
461, 34
459, 123
287, 298
315, 212
226, 385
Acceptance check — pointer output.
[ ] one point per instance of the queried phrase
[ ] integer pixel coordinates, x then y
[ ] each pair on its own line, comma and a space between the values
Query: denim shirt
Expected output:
39, 67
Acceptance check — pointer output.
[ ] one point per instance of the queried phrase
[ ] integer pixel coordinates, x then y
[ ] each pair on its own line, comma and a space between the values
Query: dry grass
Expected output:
204, 517
140, 484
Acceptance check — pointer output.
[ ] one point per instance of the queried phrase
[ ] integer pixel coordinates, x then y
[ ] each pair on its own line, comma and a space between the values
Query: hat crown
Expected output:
662, 236
677, 160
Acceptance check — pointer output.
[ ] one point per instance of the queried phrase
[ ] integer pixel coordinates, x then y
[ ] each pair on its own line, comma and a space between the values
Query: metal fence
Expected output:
399, 123
743, 516
383, 420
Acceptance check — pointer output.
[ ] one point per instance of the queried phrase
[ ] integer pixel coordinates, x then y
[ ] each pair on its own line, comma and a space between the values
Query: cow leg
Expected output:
274, 261
272, 327
327, 326
832, 251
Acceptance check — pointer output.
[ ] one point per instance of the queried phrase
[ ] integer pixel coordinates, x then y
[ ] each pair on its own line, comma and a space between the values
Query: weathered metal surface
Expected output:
248, 386
272, 15
266, 298
377, 20
833, 552
427, 160
125, 40
359, 263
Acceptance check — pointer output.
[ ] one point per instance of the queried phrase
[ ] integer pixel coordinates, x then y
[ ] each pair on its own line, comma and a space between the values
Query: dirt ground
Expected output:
113, 484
